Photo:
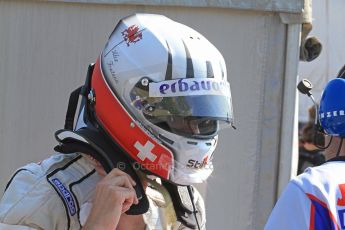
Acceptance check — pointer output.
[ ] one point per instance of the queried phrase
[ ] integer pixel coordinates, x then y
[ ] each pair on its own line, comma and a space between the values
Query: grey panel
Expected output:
245, 162
292, 6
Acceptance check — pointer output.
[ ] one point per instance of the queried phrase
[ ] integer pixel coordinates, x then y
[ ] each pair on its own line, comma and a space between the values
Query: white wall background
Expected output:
45, 48
329, 28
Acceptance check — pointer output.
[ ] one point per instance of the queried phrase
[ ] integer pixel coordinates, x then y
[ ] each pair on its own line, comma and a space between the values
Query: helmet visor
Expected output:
189, 107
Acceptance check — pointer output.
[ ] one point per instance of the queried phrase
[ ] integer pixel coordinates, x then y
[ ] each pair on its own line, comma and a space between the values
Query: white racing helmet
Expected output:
161, 92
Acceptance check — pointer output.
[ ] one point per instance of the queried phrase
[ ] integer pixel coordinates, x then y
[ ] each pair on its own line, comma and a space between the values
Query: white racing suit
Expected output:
315, 200
57, 194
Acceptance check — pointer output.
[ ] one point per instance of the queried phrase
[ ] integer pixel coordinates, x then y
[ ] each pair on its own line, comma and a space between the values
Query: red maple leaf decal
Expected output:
132, 34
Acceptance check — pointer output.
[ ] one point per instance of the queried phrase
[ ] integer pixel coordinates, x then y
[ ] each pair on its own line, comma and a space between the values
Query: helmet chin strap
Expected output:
340, 145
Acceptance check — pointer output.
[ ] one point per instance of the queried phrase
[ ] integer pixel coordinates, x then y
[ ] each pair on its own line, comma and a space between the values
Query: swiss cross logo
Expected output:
145, 151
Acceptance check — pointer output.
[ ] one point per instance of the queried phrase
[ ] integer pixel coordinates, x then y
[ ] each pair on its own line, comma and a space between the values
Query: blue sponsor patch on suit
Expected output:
67, 196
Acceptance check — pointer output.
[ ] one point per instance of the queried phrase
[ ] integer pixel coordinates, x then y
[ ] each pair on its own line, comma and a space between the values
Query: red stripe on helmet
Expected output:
114, 118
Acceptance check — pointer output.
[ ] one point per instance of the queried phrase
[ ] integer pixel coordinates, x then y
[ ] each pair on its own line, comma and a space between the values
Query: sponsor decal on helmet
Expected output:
196, 164
132, 34
332, 114
188, 87
66, 195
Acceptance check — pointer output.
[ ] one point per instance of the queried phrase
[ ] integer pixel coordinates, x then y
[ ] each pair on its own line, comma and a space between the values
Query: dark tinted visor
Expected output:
188, 115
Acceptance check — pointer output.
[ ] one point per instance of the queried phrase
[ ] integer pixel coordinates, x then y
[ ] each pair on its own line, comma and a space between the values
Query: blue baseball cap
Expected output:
332, 108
